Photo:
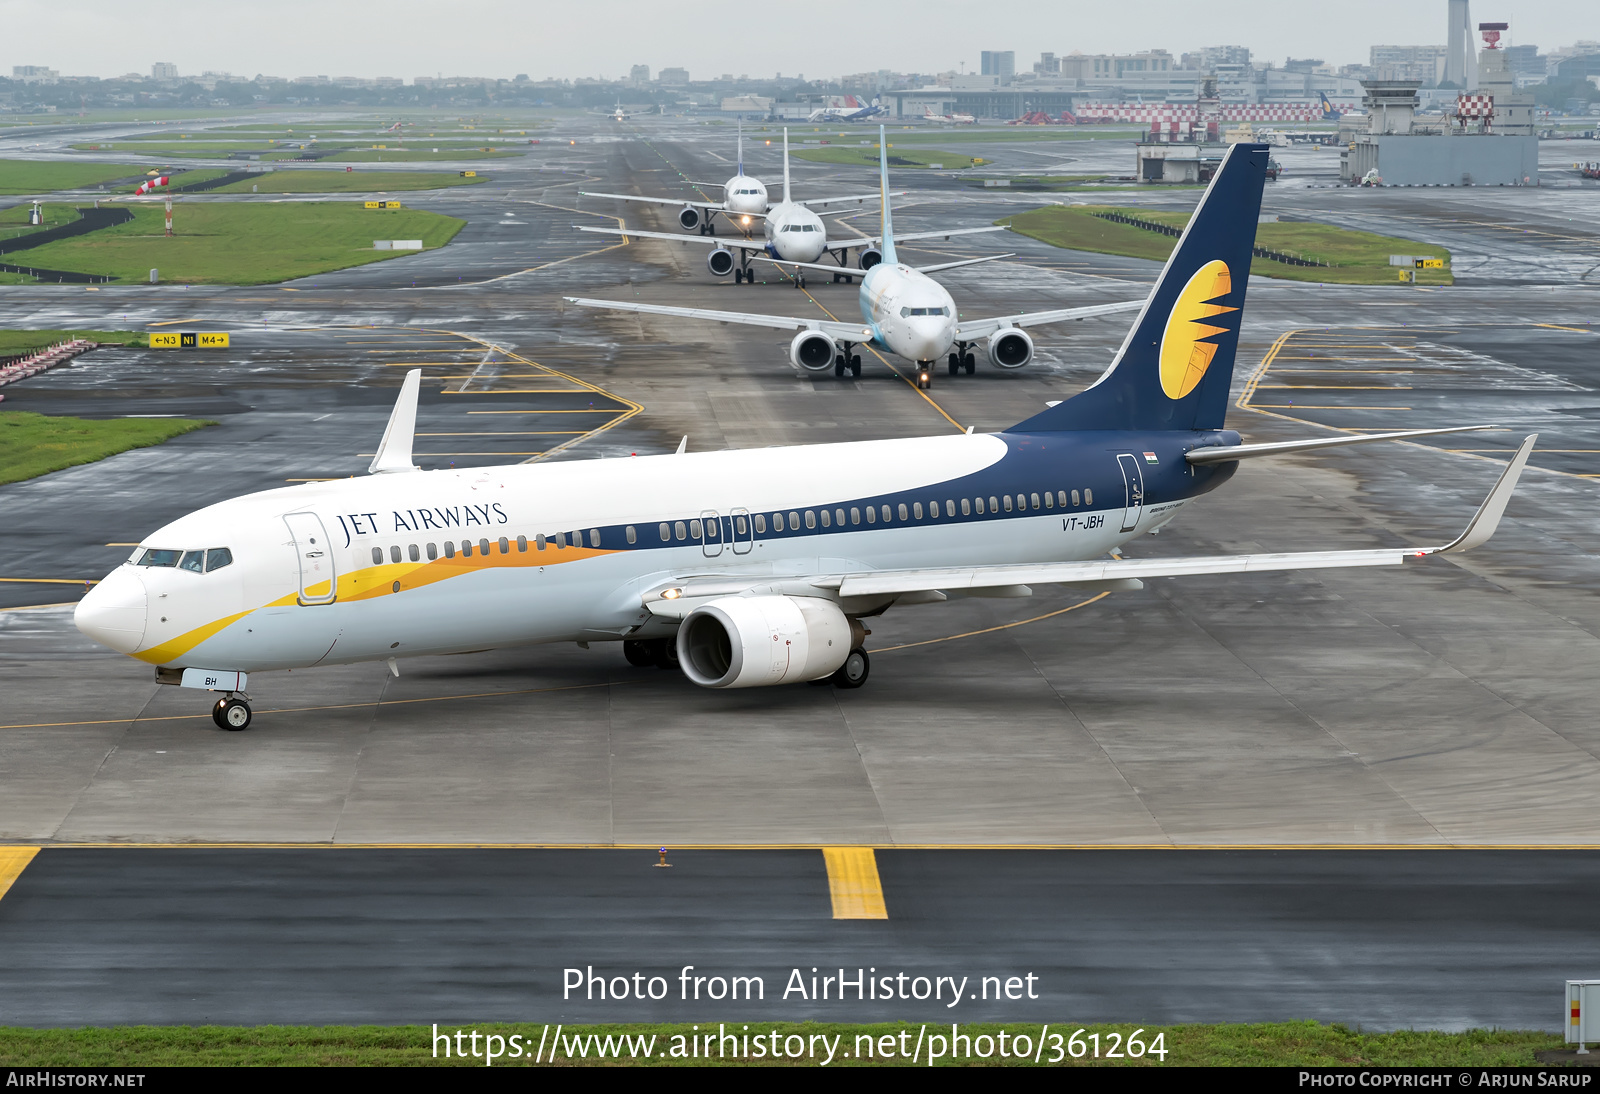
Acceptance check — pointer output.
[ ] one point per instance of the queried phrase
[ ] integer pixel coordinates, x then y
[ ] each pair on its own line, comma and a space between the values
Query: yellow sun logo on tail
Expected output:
1184, 356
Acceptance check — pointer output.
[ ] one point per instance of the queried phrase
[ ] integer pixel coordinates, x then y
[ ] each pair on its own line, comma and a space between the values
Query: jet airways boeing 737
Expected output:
744, 568
903, 311
794, 236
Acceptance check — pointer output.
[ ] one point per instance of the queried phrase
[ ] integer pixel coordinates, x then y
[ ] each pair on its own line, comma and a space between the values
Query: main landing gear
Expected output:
847, 362
232, 712
848, 279
660, 652
962, 360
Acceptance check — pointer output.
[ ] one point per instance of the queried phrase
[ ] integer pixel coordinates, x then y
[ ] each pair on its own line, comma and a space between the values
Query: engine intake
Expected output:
870, 257
689, 218
1010, 347
720, 261
759, 641
813, 350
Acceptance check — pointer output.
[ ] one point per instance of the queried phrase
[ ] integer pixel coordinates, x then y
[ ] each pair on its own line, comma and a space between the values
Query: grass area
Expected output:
964, 134
24, 341
1359, 258
345, 182
860, 156
22, 177
243, 243
33, 445
1301, 1044
14, 221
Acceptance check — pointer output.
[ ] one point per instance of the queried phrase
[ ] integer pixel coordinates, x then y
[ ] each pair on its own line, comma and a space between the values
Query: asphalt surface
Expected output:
1383, 940
1446, 704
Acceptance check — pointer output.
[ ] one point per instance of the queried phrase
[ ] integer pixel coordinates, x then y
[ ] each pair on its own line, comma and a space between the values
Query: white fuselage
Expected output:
743, 195
912, 314
795, 233
402, 565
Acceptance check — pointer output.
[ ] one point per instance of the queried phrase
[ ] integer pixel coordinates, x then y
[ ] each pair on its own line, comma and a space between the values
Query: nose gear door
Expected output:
1133, 479
313, 553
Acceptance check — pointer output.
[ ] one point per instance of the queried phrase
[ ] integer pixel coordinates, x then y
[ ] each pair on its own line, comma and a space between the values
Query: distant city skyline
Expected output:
409, 38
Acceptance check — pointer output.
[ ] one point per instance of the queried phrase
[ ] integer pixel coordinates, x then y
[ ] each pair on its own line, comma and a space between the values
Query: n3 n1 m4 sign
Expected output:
380, 205
189, 340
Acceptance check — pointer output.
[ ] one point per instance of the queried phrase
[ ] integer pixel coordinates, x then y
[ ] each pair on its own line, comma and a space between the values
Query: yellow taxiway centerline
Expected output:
853, 883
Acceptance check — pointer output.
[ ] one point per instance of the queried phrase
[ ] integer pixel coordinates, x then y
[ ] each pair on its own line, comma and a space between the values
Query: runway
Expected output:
1442, 706
1376, 939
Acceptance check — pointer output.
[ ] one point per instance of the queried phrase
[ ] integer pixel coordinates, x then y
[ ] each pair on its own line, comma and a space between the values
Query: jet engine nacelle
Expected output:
870, 257
689, 218
720, 261
813, 350
758, 641
1010, 347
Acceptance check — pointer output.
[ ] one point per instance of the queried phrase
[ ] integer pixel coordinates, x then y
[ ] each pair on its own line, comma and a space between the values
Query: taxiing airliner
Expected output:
745, 568
795, 236
903, 311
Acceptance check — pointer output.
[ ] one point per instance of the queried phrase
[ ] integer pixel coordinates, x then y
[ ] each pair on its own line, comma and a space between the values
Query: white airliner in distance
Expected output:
617, 114
948, 119
744, 568
853, 110
903, 311
792, 235
743, 199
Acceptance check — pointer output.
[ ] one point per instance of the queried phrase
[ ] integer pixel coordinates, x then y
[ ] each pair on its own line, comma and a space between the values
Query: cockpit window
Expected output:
922, 311
154, 557
217, 558
194, 562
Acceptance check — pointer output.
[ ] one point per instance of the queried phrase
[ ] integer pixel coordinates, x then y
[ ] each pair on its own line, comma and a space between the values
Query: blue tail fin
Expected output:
887, 248
1176, 364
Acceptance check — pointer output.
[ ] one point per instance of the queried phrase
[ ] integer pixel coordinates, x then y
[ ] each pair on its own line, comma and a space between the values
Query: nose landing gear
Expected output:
232, 712
924, 375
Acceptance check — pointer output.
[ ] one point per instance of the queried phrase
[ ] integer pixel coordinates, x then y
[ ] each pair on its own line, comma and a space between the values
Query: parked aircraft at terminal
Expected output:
948, 119
903, 310
851, 110
791, 232
744, 568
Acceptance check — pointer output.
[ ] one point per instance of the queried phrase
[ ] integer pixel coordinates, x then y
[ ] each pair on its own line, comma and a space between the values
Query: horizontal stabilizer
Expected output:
1229, 453
706, 241
964, 262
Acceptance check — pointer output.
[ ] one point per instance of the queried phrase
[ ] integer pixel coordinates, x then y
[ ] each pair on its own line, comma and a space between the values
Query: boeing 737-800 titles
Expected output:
903, 311
792, 235
744, 568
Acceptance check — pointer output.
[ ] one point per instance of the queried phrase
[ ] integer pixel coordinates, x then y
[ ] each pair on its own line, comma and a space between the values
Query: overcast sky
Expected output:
408, 38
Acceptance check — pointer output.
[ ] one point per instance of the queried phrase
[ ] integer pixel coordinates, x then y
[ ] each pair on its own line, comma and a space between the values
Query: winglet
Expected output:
1487, 518
394, 451
883, 187
683, 445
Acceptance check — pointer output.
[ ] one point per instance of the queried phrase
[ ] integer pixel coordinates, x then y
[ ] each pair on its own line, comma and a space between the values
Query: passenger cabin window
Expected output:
694, 529
1088, 496
522, 542
872, 515
1061, 498
761, 523
994, 504
483, 546
154, 557
377, 556
1075, 499
415, 553
777, 522
539, 541
394, 552
916, 509
838, 517
980, 507
966, 507
433, 551
666, 533
449, 548
826, 519
811, 519
855, 515
505, 545
1049, 500
1035, 500
679, 531
466, 548
217, 558
886, 513
794, 521
633, 536
194, 562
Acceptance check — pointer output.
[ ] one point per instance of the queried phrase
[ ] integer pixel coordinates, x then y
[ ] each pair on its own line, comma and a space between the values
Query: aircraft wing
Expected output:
828, 268
677, 601
653, 201
851, 332
982, 328
867, 241
710, 241
857, 198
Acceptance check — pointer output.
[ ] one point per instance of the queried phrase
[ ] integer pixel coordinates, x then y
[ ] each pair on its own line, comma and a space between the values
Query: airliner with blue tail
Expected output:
745, 568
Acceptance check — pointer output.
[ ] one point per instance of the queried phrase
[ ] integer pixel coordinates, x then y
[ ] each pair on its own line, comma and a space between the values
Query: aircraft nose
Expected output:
113, 612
